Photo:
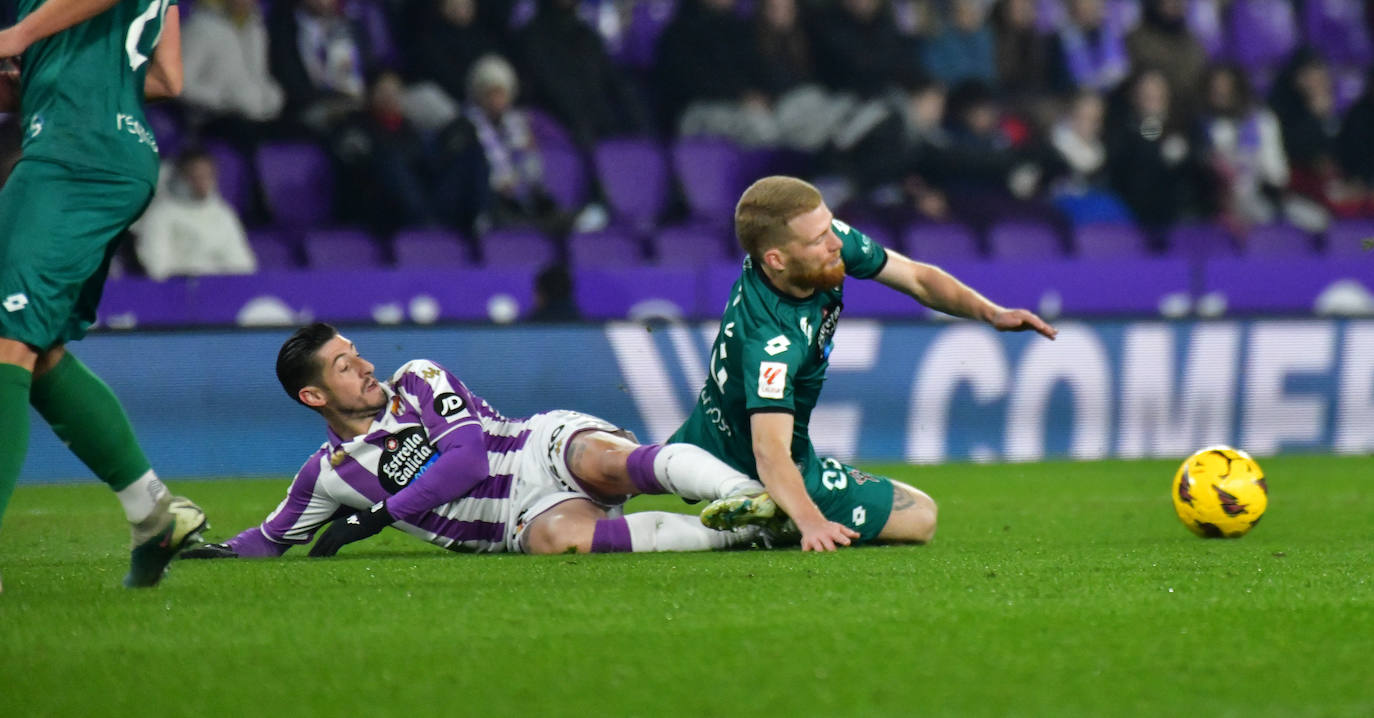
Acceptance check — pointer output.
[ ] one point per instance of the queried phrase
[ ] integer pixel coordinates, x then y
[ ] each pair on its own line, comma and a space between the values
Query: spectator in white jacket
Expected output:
224, 57
189, 229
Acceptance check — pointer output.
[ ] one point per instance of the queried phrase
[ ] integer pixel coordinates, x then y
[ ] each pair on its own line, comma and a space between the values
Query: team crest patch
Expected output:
772, 379
396, 409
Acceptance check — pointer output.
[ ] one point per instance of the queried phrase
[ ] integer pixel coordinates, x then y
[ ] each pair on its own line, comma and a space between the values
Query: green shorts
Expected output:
850, 496
58, 230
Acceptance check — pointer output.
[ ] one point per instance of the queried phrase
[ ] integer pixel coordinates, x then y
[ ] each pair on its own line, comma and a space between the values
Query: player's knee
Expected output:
559, 532
914, 517
598, 456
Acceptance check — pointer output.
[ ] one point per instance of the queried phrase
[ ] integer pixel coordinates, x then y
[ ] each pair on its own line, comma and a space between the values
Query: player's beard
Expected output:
819, 278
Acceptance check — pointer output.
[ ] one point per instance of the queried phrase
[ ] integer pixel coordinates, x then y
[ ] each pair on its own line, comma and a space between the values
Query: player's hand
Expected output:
12, 43
826, 536
354, 527
1020, 320
209, 550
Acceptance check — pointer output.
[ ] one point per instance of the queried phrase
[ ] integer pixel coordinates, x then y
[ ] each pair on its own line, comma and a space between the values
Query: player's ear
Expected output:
312, 396
773, 259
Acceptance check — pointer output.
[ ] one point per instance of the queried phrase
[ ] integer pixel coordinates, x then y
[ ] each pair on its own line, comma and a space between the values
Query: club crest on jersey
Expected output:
772, 379
405, 455
449, 405
396, 406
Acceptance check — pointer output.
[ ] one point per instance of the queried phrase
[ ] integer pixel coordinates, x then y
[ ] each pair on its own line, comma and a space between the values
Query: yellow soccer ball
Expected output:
1219, 492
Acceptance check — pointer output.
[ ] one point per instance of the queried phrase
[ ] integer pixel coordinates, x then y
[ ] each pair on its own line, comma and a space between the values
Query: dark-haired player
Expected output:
421, 452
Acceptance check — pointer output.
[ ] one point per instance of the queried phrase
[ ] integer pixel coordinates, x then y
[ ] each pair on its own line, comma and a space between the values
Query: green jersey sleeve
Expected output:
770, 363
863, 258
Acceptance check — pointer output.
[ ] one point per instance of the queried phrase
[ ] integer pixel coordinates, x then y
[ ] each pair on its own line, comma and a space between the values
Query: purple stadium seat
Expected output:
647, 20
548, 132
274, 250
565, 175
1261, 33
1278, 240
235, 176
166, 129
1109, 241
1337, 30
692, 245
635, 177
342, 249
1203, 18
429, 248
1017, 240
712, 175
940, 243
1346, 238
1200, 240
517, 248
297, 183
607, 248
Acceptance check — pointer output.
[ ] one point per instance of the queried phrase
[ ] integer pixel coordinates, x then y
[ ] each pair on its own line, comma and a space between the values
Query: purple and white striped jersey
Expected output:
429, 413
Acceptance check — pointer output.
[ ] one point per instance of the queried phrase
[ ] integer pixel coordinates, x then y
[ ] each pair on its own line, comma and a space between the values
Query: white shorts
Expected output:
542, 479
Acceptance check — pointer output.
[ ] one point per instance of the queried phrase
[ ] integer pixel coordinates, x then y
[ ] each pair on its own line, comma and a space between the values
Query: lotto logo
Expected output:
16, 301
777, 345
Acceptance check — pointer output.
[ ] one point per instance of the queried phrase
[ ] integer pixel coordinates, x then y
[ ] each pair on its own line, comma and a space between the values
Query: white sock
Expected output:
665, 531
140, 497
694, 473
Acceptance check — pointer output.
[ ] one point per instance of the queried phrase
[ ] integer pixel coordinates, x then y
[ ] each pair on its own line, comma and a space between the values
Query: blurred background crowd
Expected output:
324, 133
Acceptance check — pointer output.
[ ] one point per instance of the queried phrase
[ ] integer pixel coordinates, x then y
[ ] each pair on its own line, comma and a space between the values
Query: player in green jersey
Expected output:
88, 171
769, 361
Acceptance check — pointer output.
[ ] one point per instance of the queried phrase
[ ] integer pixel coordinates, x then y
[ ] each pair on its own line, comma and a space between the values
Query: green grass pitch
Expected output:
1054, 589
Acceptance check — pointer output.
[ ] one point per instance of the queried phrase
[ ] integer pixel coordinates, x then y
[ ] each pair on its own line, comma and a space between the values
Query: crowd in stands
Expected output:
637, 122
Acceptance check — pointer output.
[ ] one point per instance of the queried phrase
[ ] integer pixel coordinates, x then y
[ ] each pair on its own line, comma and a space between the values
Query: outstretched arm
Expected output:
772, 435
937, 289
50, 18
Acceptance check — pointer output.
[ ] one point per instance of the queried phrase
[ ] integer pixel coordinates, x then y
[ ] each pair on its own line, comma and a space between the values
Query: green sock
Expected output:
14, 428
87, 417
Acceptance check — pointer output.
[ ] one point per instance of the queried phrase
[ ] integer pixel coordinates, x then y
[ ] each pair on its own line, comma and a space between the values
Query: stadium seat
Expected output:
1336, 29
647, 20
1261, 34
1278, 240
1199, 241
167, 131
549, 133
429, 248
517, 248
635, 177
1018, 240
709, 170
235, 177
1204, 21
274, 249
1109, 241
565, 176
691, 245
1346, 238
607, 248
941, 243
297, 183
342, 249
